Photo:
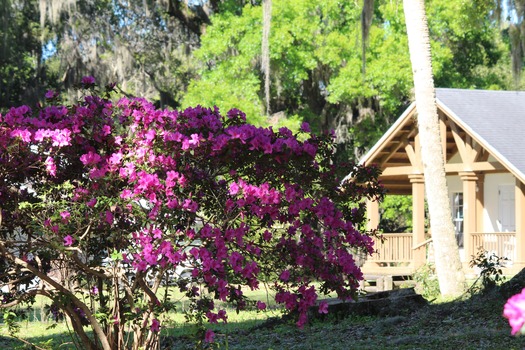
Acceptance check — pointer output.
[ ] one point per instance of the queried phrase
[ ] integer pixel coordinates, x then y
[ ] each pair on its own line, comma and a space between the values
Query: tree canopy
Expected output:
315, 50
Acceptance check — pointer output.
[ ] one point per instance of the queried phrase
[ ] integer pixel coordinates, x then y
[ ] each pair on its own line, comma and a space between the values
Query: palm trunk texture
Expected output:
448, 265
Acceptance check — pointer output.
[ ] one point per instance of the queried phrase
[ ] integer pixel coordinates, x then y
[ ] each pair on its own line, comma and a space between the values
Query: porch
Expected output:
397, 255
485, 177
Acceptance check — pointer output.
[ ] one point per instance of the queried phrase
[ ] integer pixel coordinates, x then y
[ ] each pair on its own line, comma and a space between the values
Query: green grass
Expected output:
471, 323
39, 329
40, 333
50, 335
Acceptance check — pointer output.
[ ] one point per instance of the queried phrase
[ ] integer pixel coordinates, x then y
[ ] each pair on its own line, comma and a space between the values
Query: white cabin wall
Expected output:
454, 184
491, 196
490, 213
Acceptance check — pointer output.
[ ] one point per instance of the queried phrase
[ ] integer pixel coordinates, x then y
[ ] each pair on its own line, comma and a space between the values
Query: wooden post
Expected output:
388, 283
380, 284
480, 204
372, 212
418, 218
519, 262
469, 179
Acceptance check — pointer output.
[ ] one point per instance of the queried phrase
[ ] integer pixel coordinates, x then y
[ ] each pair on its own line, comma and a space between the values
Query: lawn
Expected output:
472, 322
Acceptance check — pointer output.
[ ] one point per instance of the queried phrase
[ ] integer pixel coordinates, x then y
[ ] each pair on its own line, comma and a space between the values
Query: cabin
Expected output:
483, 142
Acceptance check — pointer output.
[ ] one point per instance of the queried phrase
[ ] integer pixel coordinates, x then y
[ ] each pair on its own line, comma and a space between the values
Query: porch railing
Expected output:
399, 247
503, 244
395, 248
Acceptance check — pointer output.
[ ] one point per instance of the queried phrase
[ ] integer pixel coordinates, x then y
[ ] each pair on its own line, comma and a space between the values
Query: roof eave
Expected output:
388, 134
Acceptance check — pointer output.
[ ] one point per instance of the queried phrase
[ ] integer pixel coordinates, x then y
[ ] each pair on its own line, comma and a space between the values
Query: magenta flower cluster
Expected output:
514, 311
238, 203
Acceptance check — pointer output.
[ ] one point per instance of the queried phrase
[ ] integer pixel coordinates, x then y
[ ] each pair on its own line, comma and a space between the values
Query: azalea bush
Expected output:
104, 200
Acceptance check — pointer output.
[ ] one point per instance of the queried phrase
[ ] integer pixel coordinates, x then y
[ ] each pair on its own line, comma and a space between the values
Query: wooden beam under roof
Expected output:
401, 142
449, 168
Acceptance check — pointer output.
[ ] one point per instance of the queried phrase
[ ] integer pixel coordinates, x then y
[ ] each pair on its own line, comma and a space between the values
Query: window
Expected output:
457, 216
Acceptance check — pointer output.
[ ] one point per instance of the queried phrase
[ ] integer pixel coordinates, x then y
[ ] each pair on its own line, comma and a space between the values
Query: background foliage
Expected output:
181, 53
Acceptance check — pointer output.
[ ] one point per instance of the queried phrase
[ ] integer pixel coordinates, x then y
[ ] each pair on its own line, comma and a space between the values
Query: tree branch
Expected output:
44, 277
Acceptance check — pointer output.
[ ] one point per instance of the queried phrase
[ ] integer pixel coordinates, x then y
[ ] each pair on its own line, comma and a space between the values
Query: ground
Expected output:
472, 322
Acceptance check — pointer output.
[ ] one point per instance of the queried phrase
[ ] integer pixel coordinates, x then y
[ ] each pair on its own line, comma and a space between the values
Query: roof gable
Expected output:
493, 119
496, 119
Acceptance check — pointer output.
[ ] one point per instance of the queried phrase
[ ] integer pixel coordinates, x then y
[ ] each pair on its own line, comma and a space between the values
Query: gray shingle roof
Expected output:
495, 118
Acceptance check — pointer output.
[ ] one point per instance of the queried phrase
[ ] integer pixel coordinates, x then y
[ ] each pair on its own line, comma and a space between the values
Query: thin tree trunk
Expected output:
95, 326
448, 265
265, 54
366, 21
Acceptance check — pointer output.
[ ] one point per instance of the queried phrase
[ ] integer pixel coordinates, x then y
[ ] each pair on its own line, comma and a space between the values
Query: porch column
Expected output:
480, 204
519, 261
469, 212
418, 218
372, 213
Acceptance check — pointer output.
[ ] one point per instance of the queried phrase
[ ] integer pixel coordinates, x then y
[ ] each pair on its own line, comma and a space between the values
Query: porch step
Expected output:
374, 269
376, 283
380, 283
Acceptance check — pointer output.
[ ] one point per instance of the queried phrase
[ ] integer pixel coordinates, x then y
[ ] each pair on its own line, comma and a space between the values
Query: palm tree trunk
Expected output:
448, 265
